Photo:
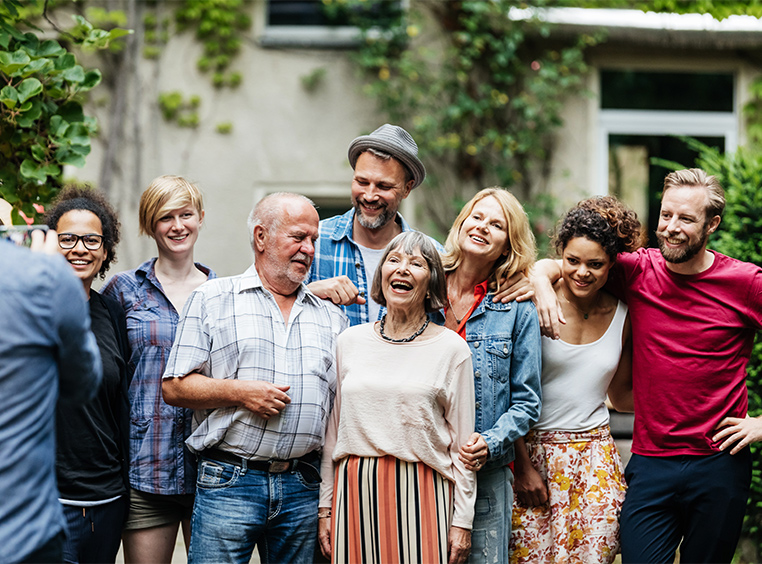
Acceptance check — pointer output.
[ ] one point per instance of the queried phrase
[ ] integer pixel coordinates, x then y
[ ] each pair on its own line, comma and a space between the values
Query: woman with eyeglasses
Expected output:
162, 470
92, 439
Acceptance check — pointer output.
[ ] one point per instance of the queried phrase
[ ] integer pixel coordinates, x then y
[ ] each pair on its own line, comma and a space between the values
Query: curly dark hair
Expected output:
604, 220
85, 198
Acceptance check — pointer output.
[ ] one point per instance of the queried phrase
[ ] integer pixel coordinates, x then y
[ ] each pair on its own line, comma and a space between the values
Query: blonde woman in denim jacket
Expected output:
489, 242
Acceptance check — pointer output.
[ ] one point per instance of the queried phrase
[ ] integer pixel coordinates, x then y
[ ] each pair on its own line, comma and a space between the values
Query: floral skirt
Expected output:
388, 511
580, 522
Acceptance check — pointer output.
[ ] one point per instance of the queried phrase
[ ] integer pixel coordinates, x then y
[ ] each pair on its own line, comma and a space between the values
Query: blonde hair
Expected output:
165, 194
521, 244
697, 178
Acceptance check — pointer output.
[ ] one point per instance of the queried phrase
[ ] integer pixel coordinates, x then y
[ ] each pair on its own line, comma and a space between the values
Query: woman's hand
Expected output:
324, 536
548, 307
529, 486
474, 453
458, 545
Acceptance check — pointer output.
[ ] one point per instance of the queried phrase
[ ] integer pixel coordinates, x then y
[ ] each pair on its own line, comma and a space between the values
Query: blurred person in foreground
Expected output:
92, 439
394, 489
47, 352
490, 241
162, 469
569, 477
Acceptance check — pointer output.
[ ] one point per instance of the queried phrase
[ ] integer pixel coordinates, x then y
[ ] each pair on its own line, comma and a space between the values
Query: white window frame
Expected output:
660, 122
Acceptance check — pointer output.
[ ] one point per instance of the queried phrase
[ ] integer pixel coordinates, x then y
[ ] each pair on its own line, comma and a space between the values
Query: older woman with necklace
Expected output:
489, 242
394, 488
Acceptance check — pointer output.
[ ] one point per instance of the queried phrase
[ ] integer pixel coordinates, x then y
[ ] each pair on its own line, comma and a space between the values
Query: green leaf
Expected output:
77, 134
41, 66
10, 63
38, 152
9, 96
92, 79
74, 74
28, 88
71, 112
71, 158
30, 115
65, 61
29, 169
50, 48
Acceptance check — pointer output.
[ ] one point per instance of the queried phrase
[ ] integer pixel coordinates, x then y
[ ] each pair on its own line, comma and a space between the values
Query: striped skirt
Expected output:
389, 511
586, 489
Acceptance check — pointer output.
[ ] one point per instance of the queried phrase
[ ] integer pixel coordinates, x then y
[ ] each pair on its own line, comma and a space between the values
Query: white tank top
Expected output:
575, 379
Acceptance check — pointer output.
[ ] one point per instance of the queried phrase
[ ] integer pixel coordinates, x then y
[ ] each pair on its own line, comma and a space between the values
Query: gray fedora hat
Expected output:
397, 142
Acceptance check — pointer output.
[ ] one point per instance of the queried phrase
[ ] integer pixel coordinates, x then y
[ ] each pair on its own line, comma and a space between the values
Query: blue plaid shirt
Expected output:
159, 460
336, 254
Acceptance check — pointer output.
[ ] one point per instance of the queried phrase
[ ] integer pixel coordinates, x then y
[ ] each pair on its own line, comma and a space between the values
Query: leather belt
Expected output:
272, 466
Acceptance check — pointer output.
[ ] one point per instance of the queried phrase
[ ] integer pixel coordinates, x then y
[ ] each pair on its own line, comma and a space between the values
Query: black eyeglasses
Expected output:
91, 241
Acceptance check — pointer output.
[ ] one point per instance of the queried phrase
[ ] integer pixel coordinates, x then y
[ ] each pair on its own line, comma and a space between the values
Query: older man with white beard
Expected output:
386, 169
254, 355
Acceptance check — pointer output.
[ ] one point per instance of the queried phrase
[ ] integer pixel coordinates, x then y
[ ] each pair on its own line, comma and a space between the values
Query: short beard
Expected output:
382, 219
679, 256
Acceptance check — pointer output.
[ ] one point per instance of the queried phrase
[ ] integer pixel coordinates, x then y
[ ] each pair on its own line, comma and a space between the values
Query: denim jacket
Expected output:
506, 353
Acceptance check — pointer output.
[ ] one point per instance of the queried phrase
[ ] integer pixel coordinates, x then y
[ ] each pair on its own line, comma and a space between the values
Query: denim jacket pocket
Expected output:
499, 359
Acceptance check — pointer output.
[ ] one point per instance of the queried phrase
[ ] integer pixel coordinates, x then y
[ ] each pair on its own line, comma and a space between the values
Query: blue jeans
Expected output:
93, 533
237, 508
699, 500
491, 531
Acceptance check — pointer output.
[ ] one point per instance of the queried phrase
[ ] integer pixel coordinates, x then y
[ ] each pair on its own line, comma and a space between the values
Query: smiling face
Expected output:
683, 229
176, 232
86, 263
378, 187
484, 232
585, 267
405, 280
285, 253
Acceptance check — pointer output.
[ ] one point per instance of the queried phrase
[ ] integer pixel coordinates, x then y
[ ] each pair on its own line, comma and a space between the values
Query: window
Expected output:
640, 115
311, 23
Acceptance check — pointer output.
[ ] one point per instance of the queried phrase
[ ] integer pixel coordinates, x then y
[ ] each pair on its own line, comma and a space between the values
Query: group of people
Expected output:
364, 392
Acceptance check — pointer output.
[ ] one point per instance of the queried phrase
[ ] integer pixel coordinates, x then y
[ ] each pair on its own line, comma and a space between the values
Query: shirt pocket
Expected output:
147, 324
499, 359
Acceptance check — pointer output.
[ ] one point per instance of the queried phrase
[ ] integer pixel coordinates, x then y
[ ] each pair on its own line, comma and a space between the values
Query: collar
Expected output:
345, 223
147, 271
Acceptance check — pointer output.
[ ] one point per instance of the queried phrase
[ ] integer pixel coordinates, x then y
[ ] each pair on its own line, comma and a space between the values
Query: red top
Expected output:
692, 338
480, 290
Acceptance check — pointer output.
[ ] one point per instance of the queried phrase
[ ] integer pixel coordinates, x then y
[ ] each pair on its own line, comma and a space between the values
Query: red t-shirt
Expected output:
692, 338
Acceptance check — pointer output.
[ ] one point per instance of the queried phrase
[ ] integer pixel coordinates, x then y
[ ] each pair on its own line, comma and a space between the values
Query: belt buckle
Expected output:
279, 466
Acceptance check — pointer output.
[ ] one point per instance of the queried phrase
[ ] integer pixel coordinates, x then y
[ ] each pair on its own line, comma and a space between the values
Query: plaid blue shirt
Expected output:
337, 254
232, 328
159, 461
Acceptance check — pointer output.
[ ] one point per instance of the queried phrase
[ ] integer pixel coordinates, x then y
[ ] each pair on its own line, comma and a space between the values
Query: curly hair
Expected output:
604, 220
85, 198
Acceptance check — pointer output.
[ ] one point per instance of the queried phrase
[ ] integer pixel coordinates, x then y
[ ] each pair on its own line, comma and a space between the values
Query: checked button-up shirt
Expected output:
232, 328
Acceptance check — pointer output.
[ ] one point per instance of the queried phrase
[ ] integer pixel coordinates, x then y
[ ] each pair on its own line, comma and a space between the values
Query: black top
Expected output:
91, 438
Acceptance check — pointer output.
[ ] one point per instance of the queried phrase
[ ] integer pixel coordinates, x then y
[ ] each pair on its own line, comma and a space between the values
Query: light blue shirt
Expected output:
46, 347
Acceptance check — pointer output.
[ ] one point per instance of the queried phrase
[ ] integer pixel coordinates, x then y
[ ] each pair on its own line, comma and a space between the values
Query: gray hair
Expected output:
267, 212
410, 242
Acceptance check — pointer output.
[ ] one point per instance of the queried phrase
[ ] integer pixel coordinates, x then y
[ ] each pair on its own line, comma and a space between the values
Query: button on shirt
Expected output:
337, 254
233, 329
159, 462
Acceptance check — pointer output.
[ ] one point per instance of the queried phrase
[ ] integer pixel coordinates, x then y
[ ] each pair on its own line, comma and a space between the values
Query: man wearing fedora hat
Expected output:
386, 169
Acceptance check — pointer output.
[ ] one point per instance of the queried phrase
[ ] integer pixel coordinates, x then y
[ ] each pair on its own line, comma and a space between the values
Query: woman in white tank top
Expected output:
569, 478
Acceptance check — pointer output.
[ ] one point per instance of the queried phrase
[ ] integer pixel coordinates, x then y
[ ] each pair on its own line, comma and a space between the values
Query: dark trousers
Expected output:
93, 533
699, 500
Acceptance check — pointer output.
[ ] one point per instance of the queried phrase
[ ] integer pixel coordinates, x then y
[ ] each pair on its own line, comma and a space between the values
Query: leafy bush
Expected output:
42, 124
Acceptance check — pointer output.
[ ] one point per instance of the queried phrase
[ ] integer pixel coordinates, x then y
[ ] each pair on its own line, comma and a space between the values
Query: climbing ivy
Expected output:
42, 123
